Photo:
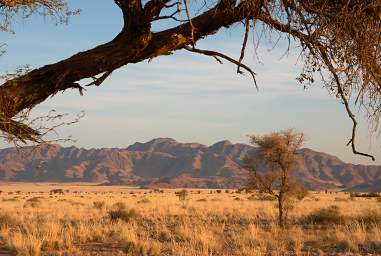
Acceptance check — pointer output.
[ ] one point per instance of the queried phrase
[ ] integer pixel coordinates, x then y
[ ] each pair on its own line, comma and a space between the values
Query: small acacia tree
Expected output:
182, 194
277, 153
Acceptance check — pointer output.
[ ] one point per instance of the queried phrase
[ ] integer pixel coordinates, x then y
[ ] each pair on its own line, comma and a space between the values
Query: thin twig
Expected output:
223, 56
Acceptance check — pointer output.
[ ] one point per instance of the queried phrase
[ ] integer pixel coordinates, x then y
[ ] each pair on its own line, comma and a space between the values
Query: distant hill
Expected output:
164, 162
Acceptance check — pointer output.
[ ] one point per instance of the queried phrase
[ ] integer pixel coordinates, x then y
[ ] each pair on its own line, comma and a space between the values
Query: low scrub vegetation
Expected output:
326, 215
370, 194
118, 223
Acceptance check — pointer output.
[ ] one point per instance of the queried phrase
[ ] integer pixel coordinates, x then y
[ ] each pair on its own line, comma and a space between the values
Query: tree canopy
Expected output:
278, 153
339, 42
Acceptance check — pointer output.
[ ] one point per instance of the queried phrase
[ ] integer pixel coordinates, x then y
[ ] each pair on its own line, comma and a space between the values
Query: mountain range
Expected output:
164, 162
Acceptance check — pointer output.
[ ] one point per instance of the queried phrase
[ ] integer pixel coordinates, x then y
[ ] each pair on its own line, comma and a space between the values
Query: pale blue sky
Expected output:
187, 97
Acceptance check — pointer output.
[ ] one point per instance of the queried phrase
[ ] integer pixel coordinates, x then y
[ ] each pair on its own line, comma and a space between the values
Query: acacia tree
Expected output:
277, 152
339, 41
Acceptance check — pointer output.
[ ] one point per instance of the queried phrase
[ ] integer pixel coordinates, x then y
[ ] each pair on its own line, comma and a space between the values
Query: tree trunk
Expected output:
281, 210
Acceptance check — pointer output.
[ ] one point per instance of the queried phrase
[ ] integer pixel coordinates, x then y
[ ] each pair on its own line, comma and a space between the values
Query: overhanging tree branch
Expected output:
343, 37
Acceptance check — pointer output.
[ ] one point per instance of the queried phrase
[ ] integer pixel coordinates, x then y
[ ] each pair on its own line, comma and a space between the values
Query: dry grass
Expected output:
126, 221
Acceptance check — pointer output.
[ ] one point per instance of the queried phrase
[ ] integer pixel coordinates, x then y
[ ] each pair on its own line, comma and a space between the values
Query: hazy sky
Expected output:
188, 97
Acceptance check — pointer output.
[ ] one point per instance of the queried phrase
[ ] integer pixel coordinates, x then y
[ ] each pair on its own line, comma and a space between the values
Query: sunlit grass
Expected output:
147, 222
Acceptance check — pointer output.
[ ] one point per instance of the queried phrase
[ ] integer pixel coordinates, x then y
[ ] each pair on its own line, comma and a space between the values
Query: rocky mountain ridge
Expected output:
164, 162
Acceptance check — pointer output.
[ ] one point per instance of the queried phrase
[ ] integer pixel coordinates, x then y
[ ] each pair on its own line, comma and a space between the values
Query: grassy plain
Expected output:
100, 220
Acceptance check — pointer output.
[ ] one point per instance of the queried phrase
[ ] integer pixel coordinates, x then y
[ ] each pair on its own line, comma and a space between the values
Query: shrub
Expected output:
121, 212
131, 248
370, 194
13, 199
219, 191
182, 194
57, 191
143, 201
328, 215
99, 205
252, 197
119, 206
370, 217
301, 192
8, 220
265, 197
33, 202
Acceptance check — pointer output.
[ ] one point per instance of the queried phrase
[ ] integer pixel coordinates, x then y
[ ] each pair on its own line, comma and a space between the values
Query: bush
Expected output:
13, 199
125, 215
301, 192
182, 194
252, 198
131, 248
121, 212
265, 197
119, 206
33, 202
329, 215
99, 205
8, 220
370, 217
144, 201
370, 194
57, 191
219, 191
